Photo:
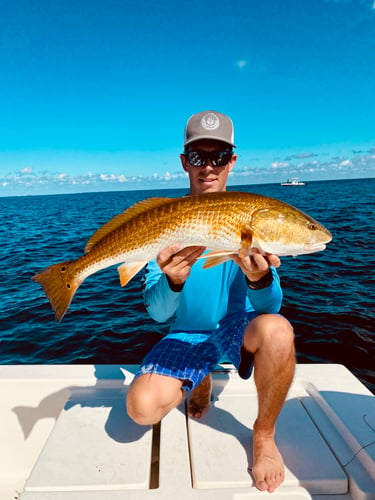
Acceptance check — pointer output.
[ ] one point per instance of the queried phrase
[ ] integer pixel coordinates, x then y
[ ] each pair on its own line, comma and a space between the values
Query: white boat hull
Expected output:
65, 436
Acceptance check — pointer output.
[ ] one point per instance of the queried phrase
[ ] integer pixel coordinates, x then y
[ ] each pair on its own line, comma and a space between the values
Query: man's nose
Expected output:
208, 164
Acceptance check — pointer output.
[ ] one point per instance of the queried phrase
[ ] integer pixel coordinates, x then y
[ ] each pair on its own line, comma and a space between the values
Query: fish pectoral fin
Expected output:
216, 257
246, 243
128, 270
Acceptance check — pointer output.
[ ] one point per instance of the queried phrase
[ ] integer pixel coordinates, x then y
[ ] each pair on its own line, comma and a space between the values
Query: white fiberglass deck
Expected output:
65, 435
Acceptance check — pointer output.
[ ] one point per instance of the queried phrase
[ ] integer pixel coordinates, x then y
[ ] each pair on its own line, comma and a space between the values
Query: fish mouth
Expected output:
316, 247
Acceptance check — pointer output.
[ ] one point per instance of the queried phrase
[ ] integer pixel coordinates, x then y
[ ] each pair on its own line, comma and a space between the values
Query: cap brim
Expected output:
211, 137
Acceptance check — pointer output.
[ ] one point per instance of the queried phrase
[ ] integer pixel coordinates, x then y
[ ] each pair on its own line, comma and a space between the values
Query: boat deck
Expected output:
65, 435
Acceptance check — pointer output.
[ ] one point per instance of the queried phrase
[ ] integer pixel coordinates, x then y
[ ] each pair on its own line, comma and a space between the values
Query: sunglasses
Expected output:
200, 158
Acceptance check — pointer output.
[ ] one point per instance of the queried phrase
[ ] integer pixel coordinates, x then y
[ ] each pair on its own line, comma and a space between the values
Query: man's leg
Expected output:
151, 396
200, 398
270, 338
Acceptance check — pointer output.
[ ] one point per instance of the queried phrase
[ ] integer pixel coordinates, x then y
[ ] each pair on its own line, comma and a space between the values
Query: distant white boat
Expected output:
294, 181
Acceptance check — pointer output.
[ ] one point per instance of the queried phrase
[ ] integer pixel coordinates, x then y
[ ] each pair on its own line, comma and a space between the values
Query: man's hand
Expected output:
256, 265
176, 264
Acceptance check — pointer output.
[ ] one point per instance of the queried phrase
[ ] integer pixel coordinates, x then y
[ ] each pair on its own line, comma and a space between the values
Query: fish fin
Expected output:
118, 220
216, 257
128, 270
246, 243
216, 253
215, 261
59, 284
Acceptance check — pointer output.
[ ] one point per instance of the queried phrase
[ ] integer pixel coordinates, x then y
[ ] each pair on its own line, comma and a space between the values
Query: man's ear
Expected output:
232, 162
183, 162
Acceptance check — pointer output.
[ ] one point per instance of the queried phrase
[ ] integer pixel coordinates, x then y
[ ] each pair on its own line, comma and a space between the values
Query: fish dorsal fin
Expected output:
118, 220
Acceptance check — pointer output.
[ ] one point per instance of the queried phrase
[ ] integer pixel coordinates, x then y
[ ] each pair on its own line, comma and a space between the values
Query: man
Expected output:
228, 312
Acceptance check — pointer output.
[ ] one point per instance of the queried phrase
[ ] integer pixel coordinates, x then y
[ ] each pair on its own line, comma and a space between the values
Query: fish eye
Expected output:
312, 226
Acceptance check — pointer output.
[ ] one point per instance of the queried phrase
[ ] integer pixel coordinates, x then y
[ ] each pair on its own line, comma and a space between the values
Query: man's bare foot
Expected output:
268, 466
199, 401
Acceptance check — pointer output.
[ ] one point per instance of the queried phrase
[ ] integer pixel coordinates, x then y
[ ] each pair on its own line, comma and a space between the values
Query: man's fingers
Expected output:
259, 261
273, 260
187, 256
191, 253
167, 253
264, 261
256, 264
173, 255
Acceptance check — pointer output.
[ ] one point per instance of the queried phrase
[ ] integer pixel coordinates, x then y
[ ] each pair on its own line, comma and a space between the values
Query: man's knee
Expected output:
150, 397
140, 406
271, 332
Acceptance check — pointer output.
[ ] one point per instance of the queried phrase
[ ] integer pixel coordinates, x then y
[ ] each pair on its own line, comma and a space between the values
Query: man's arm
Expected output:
165, 279
264, 288
176, 265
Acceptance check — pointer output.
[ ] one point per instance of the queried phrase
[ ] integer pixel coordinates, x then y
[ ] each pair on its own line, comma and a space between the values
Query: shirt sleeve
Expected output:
161, 302
267, 300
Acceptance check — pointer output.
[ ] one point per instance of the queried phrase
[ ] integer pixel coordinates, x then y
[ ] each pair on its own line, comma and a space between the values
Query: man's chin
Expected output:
208, 185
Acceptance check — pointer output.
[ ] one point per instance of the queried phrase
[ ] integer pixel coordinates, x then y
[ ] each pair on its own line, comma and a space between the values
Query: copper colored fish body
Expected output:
226, 223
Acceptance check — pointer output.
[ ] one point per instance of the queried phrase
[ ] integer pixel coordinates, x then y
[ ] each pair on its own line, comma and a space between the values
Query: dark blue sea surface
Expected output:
329, 297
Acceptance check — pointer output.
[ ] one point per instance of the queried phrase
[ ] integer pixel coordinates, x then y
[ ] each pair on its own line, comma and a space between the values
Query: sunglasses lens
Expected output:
220, 159
217, 158
196, 159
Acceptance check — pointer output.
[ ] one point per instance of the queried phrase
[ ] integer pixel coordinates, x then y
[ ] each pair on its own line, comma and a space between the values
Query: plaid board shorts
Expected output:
190, 356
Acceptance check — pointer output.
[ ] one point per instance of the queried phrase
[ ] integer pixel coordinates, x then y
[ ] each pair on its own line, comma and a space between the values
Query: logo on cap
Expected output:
210, 121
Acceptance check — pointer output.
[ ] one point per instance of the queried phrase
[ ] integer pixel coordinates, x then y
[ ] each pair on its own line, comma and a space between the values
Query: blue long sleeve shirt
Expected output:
208, 296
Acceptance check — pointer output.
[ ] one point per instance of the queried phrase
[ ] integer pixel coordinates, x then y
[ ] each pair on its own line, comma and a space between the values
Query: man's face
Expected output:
207, 178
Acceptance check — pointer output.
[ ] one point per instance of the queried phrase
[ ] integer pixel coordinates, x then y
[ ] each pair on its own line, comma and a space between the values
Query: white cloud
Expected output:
306, 166
241, 63
280, 164
300, 156
345, 163
27, 170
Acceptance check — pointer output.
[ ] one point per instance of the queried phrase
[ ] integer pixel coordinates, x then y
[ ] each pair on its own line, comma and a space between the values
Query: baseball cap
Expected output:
209, 125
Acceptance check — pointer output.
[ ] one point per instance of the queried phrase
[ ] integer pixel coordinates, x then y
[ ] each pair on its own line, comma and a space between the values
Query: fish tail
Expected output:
59, 283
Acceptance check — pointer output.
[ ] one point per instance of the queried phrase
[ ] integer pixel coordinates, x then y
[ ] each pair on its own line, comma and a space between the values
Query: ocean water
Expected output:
329, 297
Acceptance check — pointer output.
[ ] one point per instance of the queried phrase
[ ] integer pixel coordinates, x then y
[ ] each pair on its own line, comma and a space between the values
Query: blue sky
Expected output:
94, 95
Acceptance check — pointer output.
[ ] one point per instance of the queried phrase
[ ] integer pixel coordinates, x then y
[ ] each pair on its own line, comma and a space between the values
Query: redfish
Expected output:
226, 223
